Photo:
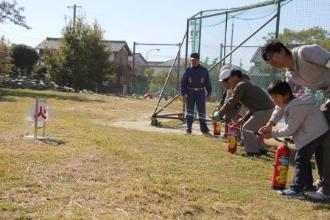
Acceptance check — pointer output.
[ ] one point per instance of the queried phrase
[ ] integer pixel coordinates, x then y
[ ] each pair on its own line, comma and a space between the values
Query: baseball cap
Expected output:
225, 73
194, 56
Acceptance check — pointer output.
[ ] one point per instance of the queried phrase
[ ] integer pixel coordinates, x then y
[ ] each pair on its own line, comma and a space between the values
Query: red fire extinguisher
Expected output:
281, 166
232, 138
216, 128
216, 123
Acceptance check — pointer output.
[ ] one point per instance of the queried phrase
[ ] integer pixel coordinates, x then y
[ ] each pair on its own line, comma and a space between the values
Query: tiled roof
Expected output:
49, 43
138, 58
167, 63
54, 43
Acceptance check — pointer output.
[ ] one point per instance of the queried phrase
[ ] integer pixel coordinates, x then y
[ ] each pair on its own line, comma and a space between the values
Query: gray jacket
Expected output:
304, 121
310, 68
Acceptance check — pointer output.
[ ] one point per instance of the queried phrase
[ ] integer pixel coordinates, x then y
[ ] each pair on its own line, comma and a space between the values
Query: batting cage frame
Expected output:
197, 19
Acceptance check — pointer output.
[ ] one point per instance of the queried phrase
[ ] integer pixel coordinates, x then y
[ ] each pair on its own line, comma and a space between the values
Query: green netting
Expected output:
215, 33
216, 36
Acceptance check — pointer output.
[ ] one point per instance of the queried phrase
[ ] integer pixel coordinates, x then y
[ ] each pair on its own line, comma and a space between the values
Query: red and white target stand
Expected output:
40, 117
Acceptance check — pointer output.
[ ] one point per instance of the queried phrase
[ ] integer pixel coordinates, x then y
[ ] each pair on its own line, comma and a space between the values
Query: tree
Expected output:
314, 35
83, 59
149, 73
9, 11
292, 38
5, 61
24, 57
157, 83
53, 61
140, 84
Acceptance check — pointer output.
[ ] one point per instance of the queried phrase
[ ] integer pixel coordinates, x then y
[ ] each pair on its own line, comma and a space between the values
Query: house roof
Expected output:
139, 58
165, 64
117, 45
54, 43
49, 43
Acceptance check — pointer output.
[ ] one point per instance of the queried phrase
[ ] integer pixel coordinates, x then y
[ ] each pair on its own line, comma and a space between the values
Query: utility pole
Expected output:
74, 13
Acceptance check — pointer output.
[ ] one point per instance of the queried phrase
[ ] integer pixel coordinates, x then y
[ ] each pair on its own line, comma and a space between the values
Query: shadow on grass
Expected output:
321, 205
173, 124
52, 142
4, 93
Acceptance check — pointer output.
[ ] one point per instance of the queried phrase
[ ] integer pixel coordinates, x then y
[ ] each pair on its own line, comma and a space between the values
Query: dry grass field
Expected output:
94, 170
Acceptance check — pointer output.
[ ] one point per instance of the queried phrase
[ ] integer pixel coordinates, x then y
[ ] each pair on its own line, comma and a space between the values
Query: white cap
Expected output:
225, 73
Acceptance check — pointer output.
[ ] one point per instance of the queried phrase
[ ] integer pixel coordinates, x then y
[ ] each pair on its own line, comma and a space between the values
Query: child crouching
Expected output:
307, 126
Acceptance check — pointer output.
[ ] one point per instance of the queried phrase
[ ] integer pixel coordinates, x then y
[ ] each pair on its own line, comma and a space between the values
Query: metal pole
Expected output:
187, 45
278, 19
194, 37
175, 97
44, 124
254, 33
35, 133
200, 34
231, 10
133, 71
168, 76
178, 73
272, 73
225, 42
220, 58
231, 42
74, 14
155, 44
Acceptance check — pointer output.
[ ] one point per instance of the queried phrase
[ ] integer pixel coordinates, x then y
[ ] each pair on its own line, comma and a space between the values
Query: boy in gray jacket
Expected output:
301, 115
308, 66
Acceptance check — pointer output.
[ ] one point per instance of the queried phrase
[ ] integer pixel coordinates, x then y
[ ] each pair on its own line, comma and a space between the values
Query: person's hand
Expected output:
183, 98
266, 129
266, 135
240, 122
289, 140
218, 107
208, 98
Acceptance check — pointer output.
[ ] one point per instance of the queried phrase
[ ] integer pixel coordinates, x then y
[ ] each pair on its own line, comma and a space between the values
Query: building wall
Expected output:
123, 74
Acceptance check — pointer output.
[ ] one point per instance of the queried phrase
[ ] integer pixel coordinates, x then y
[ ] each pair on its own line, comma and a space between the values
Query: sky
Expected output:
144, 21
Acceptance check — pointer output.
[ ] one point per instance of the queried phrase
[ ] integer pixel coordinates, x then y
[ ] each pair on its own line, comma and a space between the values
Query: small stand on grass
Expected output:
40, 116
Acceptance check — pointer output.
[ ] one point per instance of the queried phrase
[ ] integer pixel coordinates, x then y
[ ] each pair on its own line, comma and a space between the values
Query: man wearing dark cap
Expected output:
194, 82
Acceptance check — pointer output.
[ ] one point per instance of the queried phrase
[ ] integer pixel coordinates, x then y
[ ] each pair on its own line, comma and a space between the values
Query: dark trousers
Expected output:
322, 156
303, 172
198, 98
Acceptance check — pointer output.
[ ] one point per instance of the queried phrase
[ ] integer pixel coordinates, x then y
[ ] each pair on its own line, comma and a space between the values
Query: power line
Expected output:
74, 12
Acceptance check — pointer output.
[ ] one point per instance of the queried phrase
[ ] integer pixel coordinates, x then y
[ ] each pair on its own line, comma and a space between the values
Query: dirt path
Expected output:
143, 124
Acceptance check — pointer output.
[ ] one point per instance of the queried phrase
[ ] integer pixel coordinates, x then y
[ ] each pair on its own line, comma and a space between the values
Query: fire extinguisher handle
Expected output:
289, 140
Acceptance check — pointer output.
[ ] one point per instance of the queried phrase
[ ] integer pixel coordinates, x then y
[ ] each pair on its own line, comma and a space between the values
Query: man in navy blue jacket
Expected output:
194, 82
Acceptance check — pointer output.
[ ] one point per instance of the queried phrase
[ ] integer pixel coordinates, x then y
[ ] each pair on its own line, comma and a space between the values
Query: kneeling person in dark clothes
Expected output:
194, 82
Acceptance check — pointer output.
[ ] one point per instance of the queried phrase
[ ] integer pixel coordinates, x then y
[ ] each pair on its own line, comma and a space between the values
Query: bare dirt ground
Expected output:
143, 124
